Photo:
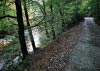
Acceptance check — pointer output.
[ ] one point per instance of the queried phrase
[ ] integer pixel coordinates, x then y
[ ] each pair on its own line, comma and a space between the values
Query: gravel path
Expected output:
86, 54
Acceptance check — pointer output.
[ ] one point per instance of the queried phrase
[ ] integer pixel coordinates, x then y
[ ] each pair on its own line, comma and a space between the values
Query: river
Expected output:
37, 38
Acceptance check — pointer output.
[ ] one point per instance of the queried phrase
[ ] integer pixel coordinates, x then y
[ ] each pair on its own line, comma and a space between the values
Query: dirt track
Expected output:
86, 54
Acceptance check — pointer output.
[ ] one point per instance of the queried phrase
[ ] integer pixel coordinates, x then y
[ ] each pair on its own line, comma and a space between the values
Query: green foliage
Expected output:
9, 53
52, 16
7, 8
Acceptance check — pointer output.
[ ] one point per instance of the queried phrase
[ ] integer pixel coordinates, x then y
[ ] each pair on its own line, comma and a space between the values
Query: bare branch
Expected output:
35, 24
8, 16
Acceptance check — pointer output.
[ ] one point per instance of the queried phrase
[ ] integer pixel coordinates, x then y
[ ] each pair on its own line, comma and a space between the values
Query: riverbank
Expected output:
53, 57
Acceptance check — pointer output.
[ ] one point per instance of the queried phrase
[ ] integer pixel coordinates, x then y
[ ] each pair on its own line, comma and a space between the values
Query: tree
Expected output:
45, 15
21, 28
62, 17
28, 24
51, 21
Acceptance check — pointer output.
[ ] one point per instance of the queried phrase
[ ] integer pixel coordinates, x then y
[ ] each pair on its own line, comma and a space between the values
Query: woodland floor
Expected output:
56, 55
75, 50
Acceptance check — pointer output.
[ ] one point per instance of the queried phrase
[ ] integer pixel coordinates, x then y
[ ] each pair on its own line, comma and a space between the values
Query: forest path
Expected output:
86, 54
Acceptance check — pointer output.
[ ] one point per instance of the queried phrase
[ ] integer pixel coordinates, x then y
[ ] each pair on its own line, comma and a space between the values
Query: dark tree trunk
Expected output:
4, 12
46, 30
98, 10
77, 19
47, 33
21, 28
52, 27
62, 18
29, 29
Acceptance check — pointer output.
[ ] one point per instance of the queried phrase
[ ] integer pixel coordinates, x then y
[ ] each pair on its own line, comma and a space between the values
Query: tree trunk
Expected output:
98, 10
62, 18
52, 27
28, 24
47, 33
21, 28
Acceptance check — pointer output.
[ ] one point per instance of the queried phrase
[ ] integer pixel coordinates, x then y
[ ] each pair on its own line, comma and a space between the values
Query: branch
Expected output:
7, 16
35, 24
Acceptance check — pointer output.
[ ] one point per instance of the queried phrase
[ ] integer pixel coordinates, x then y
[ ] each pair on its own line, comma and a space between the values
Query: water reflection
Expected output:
37, 35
